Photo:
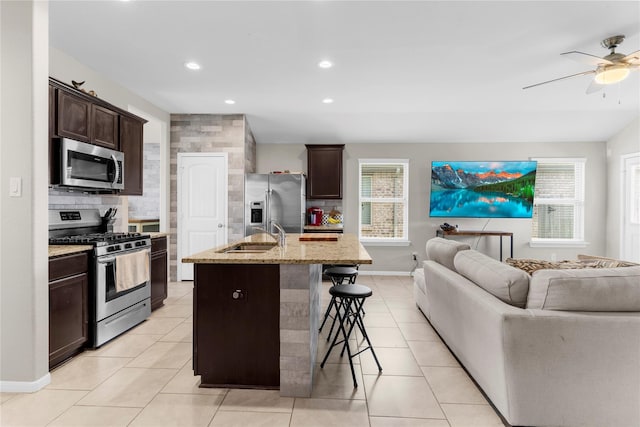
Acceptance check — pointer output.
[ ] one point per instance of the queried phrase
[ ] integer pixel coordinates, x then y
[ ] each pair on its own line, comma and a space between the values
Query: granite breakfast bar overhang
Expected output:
256, 311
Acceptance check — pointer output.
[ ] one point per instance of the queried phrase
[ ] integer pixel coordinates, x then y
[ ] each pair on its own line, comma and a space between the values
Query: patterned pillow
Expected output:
530, 265
604, 262
584, 261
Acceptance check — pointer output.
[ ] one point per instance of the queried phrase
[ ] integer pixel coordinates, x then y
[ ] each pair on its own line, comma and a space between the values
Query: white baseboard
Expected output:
383, 273
25, 386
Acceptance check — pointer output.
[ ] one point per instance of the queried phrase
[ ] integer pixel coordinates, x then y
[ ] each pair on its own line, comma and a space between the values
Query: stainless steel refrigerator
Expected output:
274, 197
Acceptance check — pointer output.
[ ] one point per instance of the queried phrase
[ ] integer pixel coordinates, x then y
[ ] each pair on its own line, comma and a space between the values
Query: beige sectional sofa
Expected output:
557, 348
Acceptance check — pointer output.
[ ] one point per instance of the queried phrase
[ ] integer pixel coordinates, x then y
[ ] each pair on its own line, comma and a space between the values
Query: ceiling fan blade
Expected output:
586, 58
632, 58
584, 73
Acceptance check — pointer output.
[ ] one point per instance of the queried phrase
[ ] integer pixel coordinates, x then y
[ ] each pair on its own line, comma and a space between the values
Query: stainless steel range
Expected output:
120, 297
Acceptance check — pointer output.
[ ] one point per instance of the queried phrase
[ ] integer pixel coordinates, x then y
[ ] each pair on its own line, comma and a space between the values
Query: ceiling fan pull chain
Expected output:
619, 101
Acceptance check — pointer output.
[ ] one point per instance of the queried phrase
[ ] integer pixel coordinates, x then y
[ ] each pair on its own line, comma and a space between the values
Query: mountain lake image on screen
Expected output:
482, 189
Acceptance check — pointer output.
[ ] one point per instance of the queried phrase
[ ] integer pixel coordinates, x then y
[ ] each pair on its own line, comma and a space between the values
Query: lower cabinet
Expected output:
68, 306
158, 272
236, 320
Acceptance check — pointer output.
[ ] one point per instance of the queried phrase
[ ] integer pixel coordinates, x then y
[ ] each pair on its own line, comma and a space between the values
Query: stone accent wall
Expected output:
147, 206
208, 133
299, 321
61, 199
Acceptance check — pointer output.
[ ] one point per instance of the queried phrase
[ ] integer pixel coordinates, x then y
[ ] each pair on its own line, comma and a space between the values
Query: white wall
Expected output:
24, 302
421, 227
627, 141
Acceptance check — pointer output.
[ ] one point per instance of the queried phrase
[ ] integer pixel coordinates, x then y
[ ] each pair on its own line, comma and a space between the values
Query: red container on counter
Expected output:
315, 216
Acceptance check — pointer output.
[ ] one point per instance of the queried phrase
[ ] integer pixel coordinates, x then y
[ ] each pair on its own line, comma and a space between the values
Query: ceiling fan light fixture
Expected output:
611, 74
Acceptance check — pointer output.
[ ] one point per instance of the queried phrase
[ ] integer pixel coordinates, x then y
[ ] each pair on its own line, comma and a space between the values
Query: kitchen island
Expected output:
256, 309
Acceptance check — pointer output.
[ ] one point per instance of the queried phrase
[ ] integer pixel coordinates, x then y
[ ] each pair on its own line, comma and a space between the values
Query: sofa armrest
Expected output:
583, 367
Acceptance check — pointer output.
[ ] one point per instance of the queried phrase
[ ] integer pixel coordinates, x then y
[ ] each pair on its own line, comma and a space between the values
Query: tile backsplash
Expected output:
147, 206
60, 199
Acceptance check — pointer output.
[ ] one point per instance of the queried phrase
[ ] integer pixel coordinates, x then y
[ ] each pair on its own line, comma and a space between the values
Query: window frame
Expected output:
404, 200
577, 201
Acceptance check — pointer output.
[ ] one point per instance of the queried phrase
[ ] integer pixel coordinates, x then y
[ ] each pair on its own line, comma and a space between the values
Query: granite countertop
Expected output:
143, 221
156, 234
346, 250
59, 250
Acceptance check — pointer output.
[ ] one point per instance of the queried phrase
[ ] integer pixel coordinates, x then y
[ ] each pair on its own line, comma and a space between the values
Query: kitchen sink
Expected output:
247, 248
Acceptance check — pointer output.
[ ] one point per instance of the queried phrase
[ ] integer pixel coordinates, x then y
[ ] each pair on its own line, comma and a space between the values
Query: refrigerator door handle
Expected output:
267, 209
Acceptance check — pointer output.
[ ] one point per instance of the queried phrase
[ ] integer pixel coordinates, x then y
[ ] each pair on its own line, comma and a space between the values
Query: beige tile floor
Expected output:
144, 378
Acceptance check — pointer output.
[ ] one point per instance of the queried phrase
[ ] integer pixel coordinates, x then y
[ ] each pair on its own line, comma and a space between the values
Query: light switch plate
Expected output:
15, 186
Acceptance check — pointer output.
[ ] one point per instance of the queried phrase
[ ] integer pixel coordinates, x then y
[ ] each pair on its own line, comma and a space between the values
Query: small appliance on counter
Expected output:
315, 216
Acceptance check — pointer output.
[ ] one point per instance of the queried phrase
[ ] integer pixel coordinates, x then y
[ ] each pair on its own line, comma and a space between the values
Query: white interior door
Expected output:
202, 205
630, 232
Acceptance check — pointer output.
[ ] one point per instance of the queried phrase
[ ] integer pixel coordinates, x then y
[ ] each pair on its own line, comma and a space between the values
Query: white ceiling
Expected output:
414, 71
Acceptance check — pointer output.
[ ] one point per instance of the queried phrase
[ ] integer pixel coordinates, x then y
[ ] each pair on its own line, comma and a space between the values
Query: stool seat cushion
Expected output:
353, 291
341, 271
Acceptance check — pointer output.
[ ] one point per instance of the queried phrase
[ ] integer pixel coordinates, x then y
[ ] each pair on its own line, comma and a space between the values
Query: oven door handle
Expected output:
107, 260
115, 164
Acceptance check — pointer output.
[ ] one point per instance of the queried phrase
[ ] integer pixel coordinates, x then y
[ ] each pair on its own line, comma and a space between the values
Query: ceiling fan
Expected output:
610, 69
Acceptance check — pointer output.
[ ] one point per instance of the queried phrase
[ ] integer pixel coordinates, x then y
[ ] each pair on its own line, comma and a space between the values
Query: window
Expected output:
558, 208
383, 195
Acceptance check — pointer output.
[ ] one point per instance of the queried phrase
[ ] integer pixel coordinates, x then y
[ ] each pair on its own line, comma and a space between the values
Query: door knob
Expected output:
220, 225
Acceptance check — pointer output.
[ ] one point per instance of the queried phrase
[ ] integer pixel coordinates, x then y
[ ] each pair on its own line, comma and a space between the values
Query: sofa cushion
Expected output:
593, 289
507, 283
443, 251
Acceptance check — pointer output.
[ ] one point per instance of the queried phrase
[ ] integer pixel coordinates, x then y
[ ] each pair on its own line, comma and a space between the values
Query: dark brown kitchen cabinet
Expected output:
158, 272
52, 131
324, 171
77, 115
68, 306
236, 323
74, 117
105, 127
131, 146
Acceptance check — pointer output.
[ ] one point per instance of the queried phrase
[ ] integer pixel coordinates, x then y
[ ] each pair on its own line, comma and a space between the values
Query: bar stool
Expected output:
349, 302
338, 275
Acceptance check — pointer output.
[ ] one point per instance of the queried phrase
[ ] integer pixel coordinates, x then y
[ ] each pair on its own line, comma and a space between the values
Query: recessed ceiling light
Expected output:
327, 101
229, 101
192, 65
325, 64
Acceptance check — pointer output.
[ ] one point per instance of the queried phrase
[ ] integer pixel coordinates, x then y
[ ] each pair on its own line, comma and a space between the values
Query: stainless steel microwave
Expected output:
90, 166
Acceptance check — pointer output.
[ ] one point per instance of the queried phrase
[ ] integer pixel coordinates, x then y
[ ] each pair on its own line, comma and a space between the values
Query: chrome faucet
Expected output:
282, 235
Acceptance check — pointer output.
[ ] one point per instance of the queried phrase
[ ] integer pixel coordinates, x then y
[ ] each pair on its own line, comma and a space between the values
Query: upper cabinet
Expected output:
131, 146
77, 115
324, 171
74, 117
104, 127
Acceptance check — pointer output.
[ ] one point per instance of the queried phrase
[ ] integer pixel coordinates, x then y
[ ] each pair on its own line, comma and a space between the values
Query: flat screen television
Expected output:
482, 189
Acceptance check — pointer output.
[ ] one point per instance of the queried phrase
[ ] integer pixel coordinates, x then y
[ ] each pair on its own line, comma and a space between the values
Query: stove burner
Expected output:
95, 238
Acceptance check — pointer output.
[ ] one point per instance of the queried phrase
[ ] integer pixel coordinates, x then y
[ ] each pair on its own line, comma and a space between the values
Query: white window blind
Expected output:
383, 194
558, 212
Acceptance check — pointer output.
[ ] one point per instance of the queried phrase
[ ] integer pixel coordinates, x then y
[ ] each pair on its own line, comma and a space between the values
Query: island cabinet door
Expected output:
236, 325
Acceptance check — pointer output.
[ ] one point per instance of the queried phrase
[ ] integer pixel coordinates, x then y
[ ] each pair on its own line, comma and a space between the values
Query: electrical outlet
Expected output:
414, 256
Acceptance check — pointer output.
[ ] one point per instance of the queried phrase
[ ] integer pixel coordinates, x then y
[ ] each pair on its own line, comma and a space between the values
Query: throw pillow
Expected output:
589, 289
